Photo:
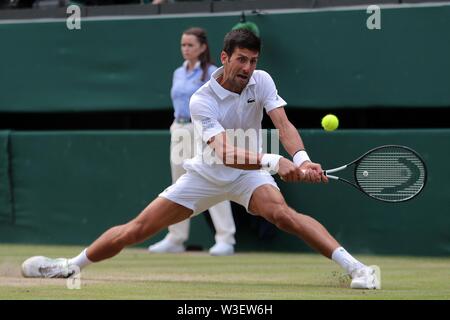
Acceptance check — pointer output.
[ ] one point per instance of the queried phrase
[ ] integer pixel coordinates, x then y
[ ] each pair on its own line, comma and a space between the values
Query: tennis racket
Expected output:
388, 173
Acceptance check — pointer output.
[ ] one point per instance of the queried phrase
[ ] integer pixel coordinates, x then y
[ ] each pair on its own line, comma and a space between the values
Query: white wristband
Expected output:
270, 161
300, 157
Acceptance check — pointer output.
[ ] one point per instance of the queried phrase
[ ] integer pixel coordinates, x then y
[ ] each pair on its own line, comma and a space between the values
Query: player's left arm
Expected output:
289, 136
293, 143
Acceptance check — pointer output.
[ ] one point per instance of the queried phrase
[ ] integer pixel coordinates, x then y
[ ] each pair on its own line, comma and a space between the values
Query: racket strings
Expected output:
391, 174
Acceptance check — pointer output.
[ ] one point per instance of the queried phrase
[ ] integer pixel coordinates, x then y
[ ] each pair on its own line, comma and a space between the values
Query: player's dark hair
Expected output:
205, 57
242, 39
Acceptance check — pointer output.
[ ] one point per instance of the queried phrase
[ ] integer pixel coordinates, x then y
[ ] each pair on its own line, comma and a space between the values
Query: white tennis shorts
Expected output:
195, 192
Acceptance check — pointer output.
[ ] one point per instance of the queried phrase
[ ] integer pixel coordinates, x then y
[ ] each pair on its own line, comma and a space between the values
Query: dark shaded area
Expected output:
372, 118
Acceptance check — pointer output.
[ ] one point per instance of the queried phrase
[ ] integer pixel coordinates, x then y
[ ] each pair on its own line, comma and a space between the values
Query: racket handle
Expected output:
335, 169
329, 176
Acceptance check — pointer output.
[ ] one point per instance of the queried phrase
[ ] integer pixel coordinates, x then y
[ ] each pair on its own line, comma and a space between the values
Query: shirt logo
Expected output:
250, 100
207, 123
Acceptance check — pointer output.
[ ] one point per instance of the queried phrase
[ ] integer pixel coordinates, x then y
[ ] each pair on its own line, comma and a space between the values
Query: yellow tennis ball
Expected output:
330, 122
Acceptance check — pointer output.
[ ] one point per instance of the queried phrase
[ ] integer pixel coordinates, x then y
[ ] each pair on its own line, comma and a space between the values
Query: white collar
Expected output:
197, 64
221, 91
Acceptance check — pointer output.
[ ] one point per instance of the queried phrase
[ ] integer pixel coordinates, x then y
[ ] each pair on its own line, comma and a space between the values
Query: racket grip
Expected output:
330, 176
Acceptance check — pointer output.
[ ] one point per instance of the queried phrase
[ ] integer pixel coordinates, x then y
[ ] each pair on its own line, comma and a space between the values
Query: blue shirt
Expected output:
184, 84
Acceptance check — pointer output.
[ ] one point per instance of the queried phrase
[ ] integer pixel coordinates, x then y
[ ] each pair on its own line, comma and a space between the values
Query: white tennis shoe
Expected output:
221, 249
43, 267
166, 246
366, 278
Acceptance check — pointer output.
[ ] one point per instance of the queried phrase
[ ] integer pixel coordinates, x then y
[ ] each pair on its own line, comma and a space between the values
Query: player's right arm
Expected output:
205, 116
232, 156
240, 158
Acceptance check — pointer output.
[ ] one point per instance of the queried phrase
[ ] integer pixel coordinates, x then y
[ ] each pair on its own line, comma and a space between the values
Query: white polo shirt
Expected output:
214, 109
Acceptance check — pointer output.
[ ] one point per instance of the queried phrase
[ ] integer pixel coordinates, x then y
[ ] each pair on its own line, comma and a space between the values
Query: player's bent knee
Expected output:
282, 216
130, 233
137, 232
119, 236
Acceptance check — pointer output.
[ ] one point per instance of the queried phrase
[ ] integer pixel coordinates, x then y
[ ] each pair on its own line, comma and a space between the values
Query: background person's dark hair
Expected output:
241, 38
205, 57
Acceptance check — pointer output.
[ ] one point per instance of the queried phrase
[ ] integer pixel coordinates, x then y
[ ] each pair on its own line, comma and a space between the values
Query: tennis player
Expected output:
234, 98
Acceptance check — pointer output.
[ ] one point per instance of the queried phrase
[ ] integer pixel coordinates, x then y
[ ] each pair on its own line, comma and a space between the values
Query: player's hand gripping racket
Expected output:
388, 173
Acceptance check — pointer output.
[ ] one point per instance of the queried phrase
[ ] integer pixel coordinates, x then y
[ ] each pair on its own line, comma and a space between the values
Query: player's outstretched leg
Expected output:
269, 203
158, 215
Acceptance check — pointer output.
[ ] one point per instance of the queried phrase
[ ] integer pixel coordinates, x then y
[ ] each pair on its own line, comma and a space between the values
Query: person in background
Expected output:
195, 71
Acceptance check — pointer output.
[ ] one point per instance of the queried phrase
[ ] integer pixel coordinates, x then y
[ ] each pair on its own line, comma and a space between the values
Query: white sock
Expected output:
345, 260
81, 260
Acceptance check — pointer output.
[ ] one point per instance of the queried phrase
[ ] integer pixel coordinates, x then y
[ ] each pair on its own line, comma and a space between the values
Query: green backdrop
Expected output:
68, 187
6, 202
318, 58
